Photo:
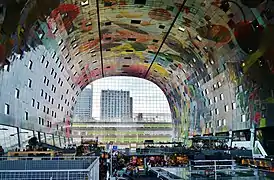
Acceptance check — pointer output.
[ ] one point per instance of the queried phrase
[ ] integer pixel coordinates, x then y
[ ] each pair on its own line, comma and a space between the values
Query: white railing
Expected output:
215, 165
258, 146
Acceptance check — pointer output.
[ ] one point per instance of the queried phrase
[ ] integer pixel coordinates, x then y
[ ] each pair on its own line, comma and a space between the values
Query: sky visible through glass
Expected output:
147, 97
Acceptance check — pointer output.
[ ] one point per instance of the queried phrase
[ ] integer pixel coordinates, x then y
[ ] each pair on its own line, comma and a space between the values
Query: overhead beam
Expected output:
100, 37
165, 37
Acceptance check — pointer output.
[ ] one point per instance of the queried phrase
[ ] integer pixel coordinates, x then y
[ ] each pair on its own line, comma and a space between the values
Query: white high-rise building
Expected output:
83, 109
116, 105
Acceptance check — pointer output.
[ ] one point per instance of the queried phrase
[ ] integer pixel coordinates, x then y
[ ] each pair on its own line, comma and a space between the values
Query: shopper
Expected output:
1, 151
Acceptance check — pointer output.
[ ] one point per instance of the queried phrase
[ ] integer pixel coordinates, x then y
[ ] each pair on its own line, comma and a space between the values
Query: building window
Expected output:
67, 91
42, 59
210, 102
62, 96
219, 122
45, 79
39, 120
52, 100
62, 108
41, 92
243, 118
59, 80
206, 91
7, 109
43, 122
219, 84
46, 96
44, 108
47, 64
26, 115
58, 106
33, 102
38, 105
240, 88
233, 105
216, 111
222, 96
215, 99
47, 110
7, 67
47, 82
17, 93
52, 71
54, 114
30, 64
29, 83
210, 124
226, 108
224, 122
61, 84
55, 74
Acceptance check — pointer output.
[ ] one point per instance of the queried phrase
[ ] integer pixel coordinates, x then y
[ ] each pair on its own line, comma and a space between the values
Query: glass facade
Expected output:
8, 137
149, 103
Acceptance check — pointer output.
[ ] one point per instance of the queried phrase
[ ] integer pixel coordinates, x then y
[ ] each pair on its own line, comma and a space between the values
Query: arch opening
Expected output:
122, 110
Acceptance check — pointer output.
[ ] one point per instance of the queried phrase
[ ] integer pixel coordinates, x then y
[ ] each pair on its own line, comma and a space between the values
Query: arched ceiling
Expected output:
173, 43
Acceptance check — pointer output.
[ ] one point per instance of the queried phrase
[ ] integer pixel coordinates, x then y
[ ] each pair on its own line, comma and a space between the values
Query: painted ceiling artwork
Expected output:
181, 45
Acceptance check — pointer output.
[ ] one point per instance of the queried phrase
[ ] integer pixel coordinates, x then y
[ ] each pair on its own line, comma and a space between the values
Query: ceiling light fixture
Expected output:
181, 29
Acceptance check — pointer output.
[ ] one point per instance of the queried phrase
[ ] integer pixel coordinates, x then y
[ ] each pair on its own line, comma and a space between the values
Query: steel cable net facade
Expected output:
190, 49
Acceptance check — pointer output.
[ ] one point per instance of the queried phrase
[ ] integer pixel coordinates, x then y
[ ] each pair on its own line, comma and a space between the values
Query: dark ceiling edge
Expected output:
100, 37
164, 39
238, 5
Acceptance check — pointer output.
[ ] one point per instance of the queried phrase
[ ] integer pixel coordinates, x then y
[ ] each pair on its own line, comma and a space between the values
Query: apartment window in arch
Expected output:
219, 123
7, 109
215, 99
216, 111
26, 115
226, 108
17, 93
222, 97
33, 102
30, 64
223, 122
234, 105
38, 105
29, 83
7, 67
243, 118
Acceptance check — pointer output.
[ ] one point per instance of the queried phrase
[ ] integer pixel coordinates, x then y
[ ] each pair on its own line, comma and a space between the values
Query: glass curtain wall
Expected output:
49, 139
8, 138
25, 135
124, 110
148, 101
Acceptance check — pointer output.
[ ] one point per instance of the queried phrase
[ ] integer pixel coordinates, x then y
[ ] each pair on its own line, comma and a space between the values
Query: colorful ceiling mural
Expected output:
181, 45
